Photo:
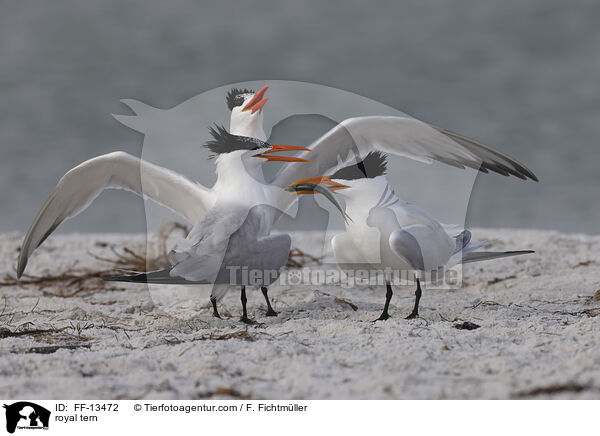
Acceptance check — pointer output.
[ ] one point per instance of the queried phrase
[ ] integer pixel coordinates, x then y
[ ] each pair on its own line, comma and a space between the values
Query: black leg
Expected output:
213, 300
388, 297
270, 311
244, 317
415, 311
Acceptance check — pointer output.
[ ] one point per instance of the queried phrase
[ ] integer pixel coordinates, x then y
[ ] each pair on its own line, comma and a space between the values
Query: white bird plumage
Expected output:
231, 220
389, 234
241, 194
78, 188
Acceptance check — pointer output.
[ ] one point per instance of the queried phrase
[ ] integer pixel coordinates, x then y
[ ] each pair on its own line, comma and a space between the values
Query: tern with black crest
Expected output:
387, 233
240, 206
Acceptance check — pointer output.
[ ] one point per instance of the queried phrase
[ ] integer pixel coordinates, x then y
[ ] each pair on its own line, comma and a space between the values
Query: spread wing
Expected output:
81, 185
402, 136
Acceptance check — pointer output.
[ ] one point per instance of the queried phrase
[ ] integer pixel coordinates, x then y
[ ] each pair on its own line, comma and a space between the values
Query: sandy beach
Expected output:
538, 335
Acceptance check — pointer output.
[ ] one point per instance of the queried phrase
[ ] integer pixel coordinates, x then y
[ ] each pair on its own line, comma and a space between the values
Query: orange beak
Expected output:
257, 101
321, 180
279, 147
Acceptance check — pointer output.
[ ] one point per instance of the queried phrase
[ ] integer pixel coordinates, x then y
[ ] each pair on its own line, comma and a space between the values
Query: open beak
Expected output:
319, 185
257, 101
279, 147
322, 180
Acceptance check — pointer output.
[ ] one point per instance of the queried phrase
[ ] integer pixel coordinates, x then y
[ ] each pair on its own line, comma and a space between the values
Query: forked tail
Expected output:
478, 256
467, 253
154, 277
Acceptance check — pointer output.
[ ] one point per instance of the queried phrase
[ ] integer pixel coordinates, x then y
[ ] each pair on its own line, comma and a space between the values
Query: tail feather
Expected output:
487, 255
462, 240
154, 277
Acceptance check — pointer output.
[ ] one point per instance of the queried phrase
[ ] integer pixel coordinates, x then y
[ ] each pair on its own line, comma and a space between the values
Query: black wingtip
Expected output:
21, 264
159, 277
113, 279
516, 252
505, 165
133, 278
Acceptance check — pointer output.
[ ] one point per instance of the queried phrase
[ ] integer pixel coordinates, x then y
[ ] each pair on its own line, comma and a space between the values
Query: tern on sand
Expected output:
238, 206
388, 233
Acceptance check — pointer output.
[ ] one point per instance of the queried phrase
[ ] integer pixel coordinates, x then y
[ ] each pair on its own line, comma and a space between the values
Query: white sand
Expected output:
538, 333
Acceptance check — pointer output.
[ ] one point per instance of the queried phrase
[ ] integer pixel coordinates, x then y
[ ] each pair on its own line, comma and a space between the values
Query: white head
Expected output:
244, 149
246, 112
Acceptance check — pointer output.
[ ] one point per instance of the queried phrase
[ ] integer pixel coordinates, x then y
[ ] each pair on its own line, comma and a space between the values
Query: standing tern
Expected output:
388, 233
238, 179
231, 244
80, 186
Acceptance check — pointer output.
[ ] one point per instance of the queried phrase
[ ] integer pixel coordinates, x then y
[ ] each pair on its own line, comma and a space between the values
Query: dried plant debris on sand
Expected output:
75, 280
539, 335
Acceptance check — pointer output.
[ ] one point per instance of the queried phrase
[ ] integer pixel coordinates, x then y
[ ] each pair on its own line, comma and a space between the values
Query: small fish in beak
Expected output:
300, 187
322, 180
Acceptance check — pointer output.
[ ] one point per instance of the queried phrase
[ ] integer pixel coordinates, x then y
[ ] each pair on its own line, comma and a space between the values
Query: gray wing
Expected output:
202, 257
462, 240
78, 188
421, 247
406, 246
227, 238
267, 255
402, 136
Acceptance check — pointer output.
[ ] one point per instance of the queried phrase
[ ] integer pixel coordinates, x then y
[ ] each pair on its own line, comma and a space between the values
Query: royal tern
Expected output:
238, 177
231, 244
388, 233
78, 188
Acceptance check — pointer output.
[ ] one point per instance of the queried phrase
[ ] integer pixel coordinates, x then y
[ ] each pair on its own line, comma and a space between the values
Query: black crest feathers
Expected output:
225, 142
373, 165
235, 97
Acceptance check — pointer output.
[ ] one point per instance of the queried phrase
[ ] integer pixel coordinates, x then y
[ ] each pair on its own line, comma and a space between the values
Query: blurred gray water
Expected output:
522, 76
